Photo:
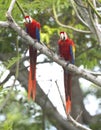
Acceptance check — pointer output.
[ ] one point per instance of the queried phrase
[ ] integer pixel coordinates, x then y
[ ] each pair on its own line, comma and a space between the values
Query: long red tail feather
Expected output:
68, 105
32, 73
67, 84
29, 84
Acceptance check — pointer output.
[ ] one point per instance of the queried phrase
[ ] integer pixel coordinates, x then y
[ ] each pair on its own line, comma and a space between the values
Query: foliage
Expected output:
26, 115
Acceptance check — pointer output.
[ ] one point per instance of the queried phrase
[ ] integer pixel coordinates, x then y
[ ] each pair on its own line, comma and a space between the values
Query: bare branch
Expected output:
11, 7
66, 26
95, 11
95, 27
95, 16
21, 9
60, 96
77, 118
78, 125
93, 73
77, 14
4, 24
6, 79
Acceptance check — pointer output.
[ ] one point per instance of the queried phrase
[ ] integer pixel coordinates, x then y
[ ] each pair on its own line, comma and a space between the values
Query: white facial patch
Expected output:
62, 36
28, 20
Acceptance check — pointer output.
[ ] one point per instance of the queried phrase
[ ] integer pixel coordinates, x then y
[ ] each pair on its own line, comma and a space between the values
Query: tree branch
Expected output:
78, 125
4, 24
96, 30
77, 14
66, 26
21, 9
93, 8
11, 7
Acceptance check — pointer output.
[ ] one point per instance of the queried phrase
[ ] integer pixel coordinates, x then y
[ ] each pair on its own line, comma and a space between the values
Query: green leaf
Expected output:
11, 62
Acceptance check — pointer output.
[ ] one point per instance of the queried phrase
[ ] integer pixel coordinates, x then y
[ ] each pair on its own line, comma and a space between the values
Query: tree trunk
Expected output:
78, 109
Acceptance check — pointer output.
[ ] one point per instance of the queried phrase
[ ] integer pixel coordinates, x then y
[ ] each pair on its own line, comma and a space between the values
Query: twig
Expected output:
95, 11
21, 9
60, 96
78, 3
66, 26
72, 2
94, 26
79, 116
95, 16
78, 125
6, 79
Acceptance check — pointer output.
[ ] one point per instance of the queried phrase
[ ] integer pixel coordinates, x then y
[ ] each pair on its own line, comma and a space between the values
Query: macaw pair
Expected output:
66, 51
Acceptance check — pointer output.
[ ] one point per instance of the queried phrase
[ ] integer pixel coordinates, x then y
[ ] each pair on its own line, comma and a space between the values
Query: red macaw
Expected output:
67, 51
33, 29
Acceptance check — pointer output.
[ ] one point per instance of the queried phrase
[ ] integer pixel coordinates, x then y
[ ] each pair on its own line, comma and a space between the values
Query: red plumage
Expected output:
32, 28
66, 51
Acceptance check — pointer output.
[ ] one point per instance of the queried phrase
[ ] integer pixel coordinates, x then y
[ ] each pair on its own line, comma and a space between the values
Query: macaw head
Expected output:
63, 36
28, 19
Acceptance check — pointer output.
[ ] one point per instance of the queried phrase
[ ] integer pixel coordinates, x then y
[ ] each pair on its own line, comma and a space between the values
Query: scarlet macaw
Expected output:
67, 51
33, 29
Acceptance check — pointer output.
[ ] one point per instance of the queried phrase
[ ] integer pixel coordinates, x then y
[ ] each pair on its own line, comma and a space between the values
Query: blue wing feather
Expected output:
26, 29
72, 54
38, 34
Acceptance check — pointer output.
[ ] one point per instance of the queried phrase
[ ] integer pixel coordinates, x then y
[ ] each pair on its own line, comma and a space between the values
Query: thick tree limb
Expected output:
4, 24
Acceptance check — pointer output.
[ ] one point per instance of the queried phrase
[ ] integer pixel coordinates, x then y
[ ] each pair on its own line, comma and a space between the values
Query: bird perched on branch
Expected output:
67, 52
33, 29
